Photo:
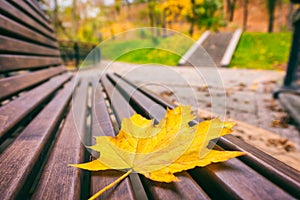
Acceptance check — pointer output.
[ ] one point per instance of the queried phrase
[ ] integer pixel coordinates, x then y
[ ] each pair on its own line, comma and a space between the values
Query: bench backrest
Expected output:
35, 91
28, 47
29, 54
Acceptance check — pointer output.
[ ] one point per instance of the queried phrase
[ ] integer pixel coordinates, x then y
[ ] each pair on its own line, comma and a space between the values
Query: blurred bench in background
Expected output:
289, 93
73, 53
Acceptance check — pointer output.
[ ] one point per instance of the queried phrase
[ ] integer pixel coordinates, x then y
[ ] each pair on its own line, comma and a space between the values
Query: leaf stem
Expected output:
110, 185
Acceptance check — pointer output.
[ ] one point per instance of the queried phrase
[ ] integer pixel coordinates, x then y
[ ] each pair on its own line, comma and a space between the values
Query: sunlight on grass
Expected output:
262, 51
162, 50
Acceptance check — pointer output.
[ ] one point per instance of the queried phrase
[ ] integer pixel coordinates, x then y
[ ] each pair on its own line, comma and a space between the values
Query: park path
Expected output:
215, 45
248, 98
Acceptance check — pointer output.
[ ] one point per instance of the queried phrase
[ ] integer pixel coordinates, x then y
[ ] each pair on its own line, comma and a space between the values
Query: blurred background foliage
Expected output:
94, 21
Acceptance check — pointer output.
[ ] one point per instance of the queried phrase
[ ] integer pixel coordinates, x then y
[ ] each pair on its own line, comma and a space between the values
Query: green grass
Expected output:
262, 51
166, 51
255, 50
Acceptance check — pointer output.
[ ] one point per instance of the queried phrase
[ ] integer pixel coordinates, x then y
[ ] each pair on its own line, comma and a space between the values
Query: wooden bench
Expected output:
47, 114
289, 93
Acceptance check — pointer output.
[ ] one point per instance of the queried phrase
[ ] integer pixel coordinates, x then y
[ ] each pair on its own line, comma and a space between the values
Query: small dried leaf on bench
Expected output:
159, 151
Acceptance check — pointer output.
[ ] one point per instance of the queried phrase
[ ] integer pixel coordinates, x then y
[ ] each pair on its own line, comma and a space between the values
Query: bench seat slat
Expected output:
276, 171
15, 111
12, 85
15, 62
135, 95
11, 45
24, 18
149, 94
101, 125
11, 27
187, 190
100, 118
117, 101
101, 179
30, 146
237, 180
121, 111
58, 180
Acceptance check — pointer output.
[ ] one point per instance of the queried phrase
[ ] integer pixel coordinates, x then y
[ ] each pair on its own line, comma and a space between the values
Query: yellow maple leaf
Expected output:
158, 151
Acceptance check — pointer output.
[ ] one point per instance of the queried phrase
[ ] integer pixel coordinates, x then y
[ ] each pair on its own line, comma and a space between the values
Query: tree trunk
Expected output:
151, 12
245, 19
55, 16
164, 24
271, 24
231, 10
290, 17
75, 20
191, 31
280, 15
128, 10
271, 9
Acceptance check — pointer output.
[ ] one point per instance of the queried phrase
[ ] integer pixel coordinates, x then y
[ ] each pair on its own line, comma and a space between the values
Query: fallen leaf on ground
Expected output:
158, 151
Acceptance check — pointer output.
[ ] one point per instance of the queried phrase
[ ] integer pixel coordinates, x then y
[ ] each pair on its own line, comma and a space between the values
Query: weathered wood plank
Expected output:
15, 111
13, 28
117, 102
12, 85
101, 179
36, 7
102, 125
237, 181
274, 170
149, 94
11, 10
58, 180
187, 190
21, 161
101, 122
133, 95
8, 45
23, 5
15, 62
